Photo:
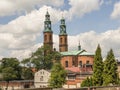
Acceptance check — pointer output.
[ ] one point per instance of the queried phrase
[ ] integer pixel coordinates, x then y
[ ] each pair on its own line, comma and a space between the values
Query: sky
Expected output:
90, 22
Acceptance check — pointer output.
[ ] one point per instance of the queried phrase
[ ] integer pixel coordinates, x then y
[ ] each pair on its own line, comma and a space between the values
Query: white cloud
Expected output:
25, 53
90, 40
116, 11
81, 7
8, 7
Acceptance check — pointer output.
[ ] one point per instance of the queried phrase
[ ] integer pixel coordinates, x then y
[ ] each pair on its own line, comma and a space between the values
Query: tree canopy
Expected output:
58, 76
110, 74
44, 61
87, 82
97, 68
11, 69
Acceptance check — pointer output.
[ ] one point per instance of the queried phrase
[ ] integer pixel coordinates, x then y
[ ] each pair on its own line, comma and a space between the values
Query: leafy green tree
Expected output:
10, 69
98, 68
26, 62
27, 73
87, 82
14, 65
110, 74
58, 76
40, 60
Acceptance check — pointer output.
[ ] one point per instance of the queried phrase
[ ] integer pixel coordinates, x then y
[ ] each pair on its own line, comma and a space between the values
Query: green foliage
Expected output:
110, 74
40, 60
26, 62
10, 69
9, 74
58, 76
97, 68
27, 73
87, 82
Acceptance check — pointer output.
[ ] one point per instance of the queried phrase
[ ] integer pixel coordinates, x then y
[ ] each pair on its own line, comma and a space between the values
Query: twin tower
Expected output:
48, 34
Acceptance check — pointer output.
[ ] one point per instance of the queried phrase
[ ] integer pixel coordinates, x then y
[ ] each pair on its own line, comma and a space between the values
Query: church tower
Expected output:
63, 43
48, 33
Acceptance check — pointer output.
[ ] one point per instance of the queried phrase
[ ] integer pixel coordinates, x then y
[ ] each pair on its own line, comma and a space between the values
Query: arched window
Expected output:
66, 63
87, 62
45, 37
60, 40
80, 63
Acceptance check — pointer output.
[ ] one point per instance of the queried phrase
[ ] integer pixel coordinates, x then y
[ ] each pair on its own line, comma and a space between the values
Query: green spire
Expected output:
62, 27
47, 23
79, 46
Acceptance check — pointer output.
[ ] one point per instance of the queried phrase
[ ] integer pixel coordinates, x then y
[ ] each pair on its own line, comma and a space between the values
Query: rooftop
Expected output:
79, 52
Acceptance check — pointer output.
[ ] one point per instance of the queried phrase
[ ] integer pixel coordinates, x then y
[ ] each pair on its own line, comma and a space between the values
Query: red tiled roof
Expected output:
77, 69
73, 69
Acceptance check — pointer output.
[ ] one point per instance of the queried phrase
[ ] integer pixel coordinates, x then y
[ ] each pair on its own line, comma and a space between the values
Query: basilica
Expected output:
77, 63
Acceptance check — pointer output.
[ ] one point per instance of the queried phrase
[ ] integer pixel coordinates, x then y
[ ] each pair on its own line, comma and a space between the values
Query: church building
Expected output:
77, 63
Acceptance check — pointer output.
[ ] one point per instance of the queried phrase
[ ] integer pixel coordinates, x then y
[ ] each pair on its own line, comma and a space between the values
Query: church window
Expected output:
87, 62
66, 63
80, 63
60, 40
45, 37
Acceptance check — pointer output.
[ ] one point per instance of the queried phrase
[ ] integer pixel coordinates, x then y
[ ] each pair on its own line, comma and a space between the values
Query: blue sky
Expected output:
88, 21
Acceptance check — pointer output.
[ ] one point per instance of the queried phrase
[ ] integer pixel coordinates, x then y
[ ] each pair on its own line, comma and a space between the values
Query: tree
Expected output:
44, 61
87, 82
13, 65
97, 68
110, 74
27, 72
10, 69
26, 62
58, 76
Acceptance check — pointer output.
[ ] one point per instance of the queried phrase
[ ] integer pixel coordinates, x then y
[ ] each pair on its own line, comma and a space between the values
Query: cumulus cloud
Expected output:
25, 53
8, 7
81, 7
90, 40
116, 11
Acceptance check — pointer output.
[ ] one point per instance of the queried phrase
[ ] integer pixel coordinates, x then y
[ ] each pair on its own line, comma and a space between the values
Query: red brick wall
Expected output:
76, 60
84, 59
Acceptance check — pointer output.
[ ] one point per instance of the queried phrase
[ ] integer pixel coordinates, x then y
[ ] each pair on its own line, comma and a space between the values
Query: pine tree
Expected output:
87, 82
110, 75
98, 68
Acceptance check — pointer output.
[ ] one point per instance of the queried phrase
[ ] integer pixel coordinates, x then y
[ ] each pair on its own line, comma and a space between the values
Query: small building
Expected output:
75, 76
41, 78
